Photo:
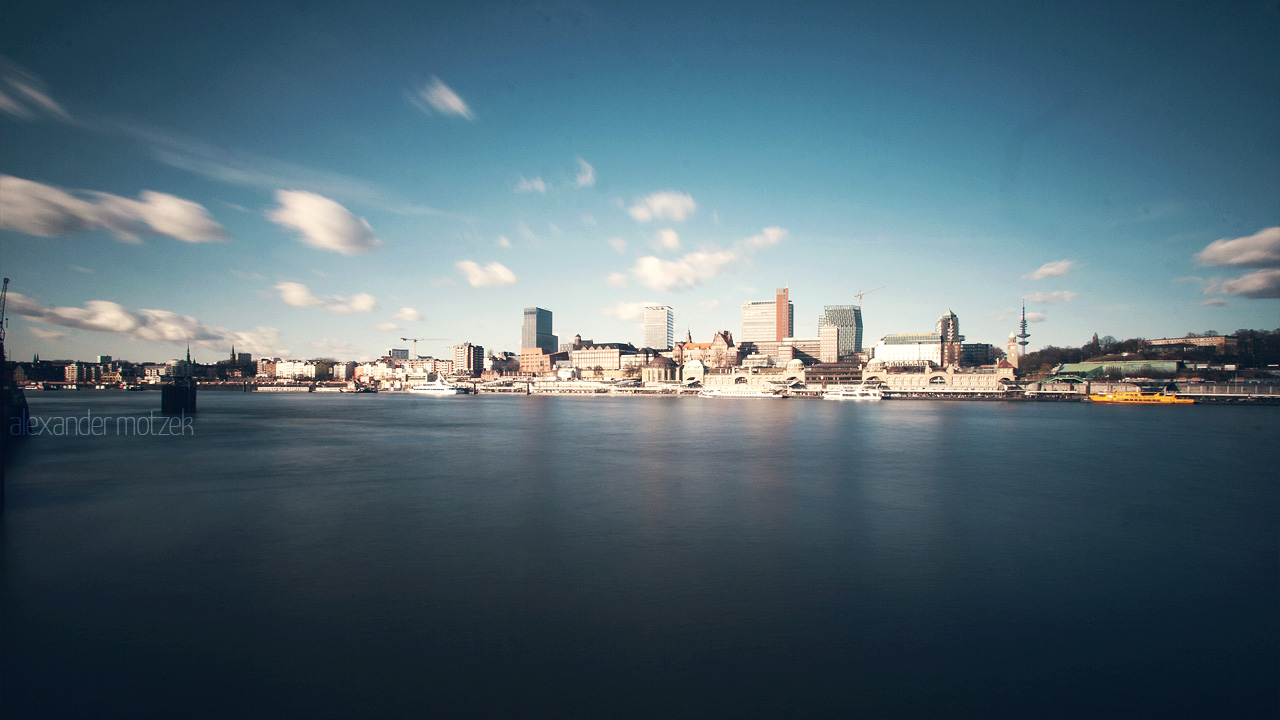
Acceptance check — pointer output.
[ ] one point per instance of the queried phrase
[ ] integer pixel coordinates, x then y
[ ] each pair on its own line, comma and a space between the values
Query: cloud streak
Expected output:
23, 95
1057, 268
440, 98
693, 269
668, 204
1050, 298
160, 326
586, 174
1261, 249
37, 209
631, 312
527, 185
1259, 285
299, 295
323, 224
250, 169
493, 274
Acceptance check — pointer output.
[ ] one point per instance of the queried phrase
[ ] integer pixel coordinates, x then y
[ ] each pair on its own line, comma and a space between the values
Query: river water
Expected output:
336, 555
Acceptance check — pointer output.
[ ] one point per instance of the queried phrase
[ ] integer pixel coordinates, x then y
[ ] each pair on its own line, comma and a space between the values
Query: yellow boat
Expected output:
1137, 398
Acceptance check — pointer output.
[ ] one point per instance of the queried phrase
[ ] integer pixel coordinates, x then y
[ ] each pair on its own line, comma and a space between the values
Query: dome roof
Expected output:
795, 365
661, 362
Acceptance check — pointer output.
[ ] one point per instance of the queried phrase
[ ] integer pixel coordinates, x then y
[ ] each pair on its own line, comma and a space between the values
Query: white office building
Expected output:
659, 327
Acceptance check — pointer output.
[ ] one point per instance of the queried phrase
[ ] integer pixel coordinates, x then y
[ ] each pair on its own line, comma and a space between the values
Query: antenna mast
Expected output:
1022, 336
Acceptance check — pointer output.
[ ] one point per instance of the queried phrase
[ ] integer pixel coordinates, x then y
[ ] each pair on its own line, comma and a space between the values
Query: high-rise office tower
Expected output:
847, 319
536, 332
768, 321
659, 327
784, 314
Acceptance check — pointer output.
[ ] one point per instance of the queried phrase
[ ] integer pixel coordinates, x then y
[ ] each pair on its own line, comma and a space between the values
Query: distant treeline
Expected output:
1256, 348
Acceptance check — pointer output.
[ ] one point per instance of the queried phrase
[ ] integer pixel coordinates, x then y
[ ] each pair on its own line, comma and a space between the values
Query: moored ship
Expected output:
1137, 398
853, 392
745, 394
436, 387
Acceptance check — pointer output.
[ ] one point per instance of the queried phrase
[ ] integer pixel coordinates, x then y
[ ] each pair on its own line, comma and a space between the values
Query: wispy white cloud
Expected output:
1261, 249
667, 239
589, 220
527, 185
1057, 268
385, 326
37, 209
438, 97
503, 241
323, 223
251, 169
668, 204
1036, 317
1259, 285
1050, 298
586, 174
618, 244
408, 314
45, 334
695, 268
161, 326
299, 295
82, 269
489, 275
23, 95
616, 279
527, 233
631, 312
1215, 302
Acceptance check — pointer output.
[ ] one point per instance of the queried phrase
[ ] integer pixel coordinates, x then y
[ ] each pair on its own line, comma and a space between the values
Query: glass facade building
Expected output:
536, 332
847, 319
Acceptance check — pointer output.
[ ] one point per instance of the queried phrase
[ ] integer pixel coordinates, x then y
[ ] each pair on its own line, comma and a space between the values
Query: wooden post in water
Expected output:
179, 396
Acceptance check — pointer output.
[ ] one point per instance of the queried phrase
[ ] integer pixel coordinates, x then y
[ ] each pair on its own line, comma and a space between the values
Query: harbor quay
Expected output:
766, 361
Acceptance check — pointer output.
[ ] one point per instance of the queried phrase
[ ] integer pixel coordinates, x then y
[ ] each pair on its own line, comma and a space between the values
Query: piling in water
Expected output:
178, 396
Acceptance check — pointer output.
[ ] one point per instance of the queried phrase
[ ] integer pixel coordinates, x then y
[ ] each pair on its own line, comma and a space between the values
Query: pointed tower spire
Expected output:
188, 353
1022, 336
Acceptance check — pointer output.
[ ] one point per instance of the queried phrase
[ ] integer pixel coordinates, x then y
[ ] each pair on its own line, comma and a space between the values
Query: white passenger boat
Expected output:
436, 387
745, 394
853, 392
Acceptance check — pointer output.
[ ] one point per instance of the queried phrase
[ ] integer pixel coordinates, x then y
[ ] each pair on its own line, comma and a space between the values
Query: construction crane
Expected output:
415, 345
4, 294
860, 293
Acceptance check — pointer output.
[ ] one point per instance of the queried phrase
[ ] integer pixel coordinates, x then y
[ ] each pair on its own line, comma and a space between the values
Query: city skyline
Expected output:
322, 187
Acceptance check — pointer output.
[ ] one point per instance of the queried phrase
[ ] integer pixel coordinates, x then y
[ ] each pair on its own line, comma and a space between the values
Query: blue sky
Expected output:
321, 182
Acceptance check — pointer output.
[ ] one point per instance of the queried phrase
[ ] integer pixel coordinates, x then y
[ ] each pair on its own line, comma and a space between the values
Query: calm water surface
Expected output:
369, 555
